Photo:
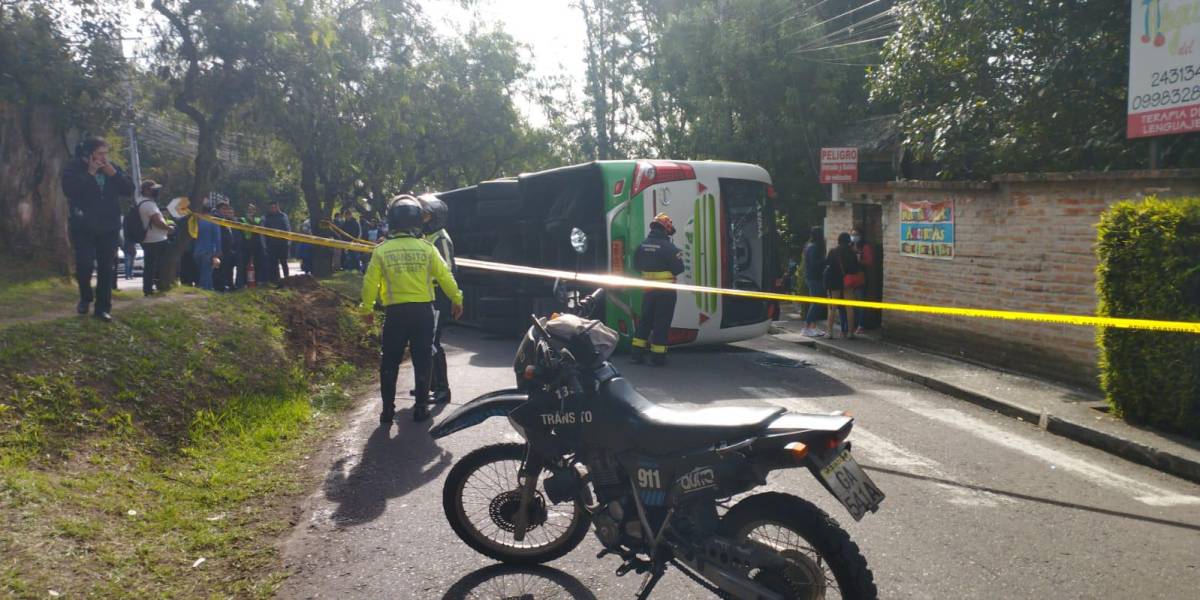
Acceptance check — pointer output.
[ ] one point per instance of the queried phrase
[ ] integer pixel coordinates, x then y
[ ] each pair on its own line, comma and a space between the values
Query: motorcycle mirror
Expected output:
560, 291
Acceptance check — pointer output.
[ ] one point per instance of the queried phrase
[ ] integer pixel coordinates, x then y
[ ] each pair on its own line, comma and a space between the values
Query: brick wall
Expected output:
1022, 242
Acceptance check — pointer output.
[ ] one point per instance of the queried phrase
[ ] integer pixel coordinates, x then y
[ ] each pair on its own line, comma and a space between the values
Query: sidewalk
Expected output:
1076, 414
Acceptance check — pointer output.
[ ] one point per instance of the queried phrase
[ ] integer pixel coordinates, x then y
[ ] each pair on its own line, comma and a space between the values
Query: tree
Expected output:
725, 82
61, 77
210, 55
985, 87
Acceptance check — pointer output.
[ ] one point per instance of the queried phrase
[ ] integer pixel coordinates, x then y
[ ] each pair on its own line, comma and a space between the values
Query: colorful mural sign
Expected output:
927, 229
1164, 68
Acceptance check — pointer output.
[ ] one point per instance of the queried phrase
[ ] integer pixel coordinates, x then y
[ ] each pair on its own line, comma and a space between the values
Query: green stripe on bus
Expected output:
713, 259
696, 269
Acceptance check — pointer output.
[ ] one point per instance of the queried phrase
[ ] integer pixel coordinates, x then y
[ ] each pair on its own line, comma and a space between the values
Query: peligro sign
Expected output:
1164, 68
839, 165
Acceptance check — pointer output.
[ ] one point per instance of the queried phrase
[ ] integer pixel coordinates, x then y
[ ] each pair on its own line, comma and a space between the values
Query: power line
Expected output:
888, 16
854, 43
805, 11
847, 13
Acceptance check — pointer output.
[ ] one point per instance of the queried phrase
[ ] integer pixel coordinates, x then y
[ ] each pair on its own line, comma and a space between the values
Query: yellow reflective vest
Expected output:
403, 270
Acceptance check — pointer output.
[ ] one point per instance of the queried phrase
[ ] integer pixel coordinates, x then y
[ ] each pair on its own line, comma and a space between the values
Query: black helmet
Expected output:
439, 213
404, 215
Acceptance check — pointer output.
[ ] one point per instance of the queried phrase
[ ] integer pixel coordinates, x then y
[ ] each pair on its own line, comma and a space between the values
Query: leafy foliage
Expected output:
41, 64
1150, 268
985, 87
721, 79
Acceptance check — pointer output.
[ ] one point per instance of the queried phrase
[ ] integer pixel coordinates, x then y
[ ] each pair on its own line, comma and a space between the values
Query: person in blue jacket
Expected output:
207, 249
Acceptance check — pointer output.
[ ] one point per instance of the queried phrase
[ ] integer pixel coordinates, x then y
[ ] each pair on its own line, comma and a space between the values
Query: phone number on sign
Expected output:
1176, 75
1167, 98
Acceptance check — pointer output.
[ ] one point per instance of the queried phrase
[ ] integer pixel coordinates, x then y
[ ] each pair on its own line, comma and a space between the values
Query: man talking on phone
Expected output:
93, 187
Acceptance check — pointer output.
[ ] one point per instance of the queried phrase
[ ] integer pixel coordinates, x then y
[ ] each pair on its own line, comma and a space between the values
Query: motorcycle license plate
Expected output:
851, 485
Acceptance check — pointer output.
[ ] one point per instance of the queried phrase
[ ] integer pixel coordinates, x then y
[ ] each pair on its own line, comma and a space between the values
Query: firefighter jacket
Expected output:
657, 258
403, 269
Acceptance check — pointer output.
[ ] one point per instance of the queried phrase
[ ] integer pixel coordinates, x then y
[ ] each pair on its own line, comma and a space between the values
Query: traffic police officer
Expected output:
437, 215
659, 260
401, 274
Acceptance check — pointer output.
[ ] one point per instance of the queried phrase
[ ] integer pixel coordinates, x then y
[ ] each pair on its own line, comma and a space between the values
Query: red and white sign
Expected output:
840, 165
1164, 68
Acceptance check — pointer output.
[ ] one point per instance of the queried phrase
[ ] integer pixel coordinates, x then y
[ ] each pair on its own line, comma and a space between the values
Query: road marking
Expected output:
884, 452
1141, 491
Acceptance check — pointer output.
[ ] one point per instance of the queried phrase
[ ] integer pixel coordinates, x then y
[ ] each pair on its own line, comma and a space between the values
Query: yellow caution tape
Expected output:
337, 229
614, 281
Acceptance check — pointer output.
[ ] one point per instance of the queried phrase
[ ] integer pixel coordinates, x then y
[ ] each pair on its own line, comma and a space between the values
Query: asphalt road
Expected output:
979, 505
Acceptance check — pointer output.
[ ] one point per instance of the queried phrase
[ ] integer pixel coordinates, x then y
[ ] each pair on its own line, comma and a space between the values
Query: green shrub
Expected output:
1149, 267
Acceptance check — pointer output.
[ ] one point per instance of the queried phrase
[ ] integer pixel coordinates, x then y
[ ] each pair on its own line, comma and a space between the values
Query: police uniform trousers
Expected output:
408, 325
440, 378
658, 308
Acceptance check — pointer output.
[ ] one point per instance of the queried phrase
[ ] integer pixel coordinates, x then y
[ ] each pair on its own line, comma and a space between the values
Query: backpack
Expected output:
135, 232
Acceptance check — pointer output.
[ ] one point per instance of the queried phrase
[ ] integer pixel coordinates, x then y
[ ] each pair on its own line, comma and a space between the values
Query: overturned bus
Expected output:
591, 218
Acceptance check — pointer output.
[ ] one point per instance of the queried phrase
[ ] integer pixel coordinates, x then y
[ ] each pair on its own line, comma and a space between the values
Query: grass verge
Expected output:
161, 456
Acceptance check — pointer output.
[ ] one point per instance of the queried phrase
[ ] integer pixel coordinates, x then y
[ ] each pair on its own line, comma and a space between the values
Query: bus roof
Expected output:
720, 168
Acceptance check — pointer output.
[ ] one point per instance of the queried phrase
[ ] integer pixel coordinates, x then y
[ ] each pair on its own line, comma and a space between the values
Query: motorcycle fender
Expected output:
494, 404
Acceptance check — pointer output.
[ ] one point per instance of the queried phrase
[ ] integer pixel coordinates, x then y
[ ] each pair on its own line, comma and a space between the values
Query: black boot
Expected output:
441, 396
82, 307
421, 412
638, 357
658, 360
387, 415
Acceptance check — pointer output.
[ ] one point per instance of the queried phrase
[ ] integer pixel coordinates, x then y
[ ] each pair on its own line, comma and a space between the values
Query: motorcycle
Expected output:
652, 481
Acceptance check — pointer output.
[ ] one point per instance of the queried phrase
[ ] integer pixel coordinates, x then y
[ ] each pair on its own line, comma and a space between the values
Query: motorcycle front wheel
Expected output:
822, 560
481, 499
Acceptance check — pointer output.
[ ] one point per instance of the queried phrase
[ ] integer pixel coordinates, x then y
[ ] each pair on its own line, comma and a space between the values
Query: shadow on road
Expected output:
528, 583
390, 467
1027, 497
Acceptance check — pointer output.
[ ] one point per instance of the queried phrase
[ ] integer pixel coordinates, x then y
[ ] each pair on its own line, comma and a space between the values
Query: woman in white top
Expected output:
154, 246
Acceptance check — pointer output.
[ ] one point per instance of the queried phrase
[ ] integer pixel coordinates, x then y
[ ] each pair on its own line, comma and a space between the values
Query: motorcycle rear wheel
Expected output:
823, 561
480, 499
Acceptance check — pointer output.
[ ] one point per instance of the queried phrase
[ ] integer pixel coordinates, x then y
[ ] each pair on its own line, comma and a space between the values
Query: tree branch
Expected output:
185, 98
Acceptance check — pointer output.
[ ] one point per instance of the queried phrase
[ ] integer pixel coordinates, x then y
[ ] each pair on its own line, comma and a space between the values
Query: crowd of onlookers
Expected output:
839, 273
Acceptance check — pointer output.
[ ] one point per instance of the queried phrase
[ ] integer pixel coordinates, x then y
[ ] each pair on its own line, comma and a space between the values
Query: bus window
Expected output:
744, 241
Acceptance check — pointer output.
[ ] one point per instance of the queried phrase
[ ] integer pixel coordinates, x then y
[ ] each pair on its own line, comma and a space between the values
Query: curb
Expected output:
1136, 452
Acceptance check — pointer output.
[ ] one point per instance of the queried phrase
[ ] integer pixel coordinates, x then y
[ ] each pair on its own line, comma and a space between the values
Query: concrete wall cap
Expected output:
1098, 175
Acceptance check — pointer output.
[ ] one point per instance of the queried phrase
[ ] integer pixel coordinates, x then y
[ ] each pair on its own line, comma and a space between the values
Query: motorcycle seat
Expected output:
659, 429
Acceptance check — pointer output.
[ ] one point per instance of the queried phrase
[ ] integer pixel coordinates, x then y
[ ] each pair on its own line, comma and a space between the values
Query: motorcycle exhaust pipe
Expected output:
737, 585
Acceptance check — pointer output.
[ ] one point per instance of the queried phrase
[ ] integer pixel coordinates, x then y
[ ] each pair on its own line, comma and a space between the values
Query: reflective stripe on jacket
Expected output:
658, 258
445, 247
403, 270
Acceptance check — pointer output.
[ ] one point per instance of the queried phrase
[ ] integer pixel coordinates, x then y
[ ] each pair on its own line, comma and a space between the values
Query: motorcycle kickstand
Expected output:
652, 578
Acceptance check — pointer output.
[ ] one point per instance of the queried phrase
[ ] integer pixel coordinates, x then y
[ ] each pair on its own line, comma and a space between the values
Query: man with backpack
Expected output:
154, 231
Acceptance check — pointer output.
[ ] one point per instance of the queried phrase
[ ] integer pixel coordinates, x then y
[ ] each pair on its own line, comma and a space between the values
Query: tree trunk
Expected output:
33, 208
205, 165
322, 256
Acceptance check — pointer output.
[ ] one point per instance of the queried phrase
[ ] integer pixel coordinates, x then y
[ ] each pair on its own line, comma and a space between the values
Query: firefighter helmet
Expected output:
663, 220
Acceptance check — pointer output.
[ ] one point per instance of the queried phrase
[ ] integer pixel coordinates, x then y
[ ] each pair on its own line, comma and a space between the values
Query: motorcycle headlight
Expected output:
579, 240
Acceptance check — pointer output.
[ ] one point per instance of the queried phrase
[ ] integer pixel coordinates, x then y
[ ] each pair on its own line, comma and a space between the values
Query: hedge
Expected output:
1149, 267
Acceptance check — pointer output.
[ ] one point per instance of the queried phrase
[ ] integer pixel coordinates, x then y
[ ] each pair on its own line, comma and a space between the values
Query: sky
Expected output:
552, 30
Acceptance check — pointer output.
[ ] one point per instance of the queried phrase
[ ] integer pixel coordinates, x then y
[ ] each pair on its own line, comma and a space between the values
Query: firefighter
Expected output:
400, 274
437, 214
659, 260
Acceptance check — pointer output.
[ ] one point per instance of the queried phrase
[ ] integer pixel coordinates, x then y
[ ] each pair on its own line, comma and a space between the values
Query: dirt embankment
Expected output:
321, 324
